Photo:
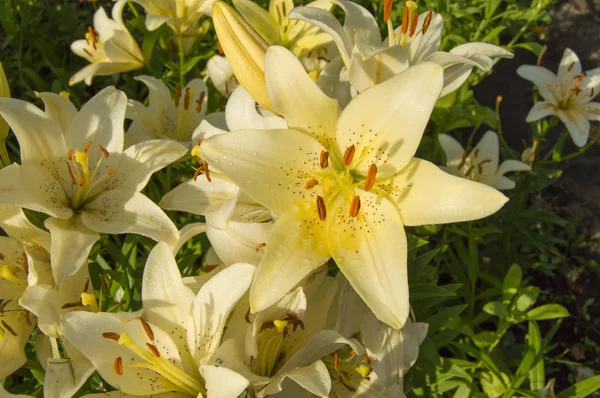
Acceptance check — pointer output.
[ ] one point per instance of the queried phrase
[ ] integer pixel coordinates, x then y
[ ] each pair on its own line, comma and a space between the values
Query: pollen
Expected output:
324, 159
370, 180
104, 151
321, 210
147, 329
310, 184
387, 9
404, 26
118, 366
355, 206
427, 22
153, 350
413, 25
111, 336
349, 155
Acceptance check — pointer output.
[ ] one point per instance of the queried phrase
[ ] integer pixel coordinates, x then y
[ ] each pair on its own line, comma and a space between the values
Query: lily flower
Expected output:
344, 185
167, 348
369, 60
221, 75
286, 347
24, 261
4, 92
82, 178
166, 118
482, 163
108, 46
181, 15
567, 95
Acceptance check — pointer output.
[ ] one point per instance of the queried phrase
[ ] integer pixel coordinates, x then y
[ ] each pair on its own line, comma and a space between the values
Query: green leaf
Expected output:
511, 284
496, 308
493, 34
441, 319
484, 339
537, 377
422, 291
526, 298
582, 389
548, 311
535, 48
415, 242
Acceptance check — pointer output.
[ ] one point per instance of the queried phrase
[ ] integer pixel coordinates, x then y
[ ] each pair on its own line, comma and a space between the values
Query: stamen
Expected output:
104, 151
310, 184
259, 246
220, 48
349, 155
206, 171
153, 350
87, 52
321, 210
70, 154
367, 359
592, 92
147, 329
186, 99
111, 336
198, 171
427, 22
404, 26
177, 94
413, 25
86, 285
87, 146
118, 366
476, 153
283, 9
324, 159
28, 318
9, 276
571, 67
72, 305
110, 172
387, 9
11, 330
370, 180
3, 305
71, 176
199, 103
355, 206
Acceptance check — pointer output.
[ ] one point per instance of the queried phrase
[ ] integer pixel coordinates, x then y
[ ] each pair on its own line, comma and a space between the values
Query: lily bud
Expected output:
4, 92
245, 49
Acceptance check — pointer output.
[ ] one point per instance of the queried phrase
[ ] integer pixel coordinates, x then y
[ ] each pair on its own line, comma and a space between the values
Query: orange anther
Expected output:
349, 155
387, 9
118, 366
321, 210
186, 99
87, 146
404, 26
324, 159
177, 94
104, 151
259, 246
111, 336
355, 206
427, 22
70, 154
199, 102
413, 25
310, 184
71, 176
147, 329
370, 180
153, 350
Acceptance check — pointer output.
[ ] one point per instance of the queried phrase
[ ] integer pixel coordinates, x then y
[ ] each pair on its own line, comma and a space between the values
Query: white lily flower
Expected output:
108, 46
391, 352
24, 261
369, 60
285, 347
166, 118
83, 179
277, 29
166, 350
344, 185
482, 163
221, 75
567, 95
181, 15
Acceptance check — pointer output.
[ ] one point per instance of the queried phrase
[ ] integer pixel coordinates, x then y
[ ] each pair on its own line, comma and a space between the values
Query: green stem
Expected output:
573, 155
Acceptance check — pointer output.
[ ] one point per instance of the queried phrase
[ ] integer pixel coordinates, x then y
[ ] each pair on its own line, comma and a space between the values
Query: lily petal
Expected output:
259, 19
222, 382
296, 247
120, 211
427, 195
313, 378
370, 250
12, 348
64, 377
577, 125
287, 81
453, 149
373, 65
99, 121
540, 110
568, 68
71, 244
545, 80
512, 165
199, 197
265, 163
488, 149
378, 124
591, 110
59, 108
33, 188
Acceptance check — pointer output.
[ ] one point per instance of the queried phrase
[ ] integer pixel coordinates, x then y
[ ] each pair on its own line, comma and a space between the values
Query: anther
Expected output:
206, 171
72, 305
370, 180
592, 92
387, 9
186, 99
111, 172
118, 366
28, 318
87, 146
476, 153
147, 329
177, 94
70, 154
111, 336
153, 350
198, 171
71, 176
87, 52
247, 317
104, 151
259, 246
571, 67
349, 155
404, 26
324, 159
355, 206
427, 22
86, 285
199, 103
413, 25
321, 210
10, 330
220, 48
310, 184
3, 305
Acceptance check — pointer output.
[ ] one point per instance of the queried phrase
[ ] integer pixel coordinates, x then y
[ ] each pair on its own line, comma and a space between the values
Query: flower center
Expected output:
82, 177
574, 91
349, 369
13, 273
94, 46
472, 168
410, 20
151, 358
179, 128
272, 348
